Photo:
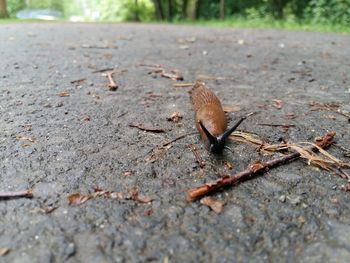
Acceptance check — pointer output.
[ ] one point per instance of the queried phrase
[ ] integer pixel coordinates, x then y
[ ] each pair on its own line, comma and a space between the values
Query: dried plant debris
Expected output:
330, 106
175, 117
150, 98
28, 193
25, 138
4, 251
78, 82
128, 173
157, 153
131, 194
321, 158
174, 74
324, 106
228, 108
346, 187
253, 169
197, 155
215, 205
209, 77
183, 85
77, 198
228, 165
146, 128
112, 85
63, 94
161, 149
103, 46
278, 104
103, 70
284, 126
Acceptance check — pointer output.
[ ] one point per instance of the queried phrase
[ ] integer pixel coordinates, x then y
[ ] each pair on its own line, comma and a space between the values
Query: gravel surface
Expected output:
58, 145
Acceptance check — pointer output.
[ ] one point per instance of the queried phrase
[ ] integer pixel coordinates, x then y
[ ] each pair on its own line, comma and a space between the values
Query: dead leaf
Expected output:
63, 94
4, 251
228, 108
214, 205
278, 103
143, 127
77, 199
175, 117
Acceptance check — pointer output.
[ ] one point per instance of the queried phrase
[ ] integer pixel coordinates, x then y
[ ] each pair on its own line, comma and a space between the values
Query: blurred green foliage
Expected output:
326, 12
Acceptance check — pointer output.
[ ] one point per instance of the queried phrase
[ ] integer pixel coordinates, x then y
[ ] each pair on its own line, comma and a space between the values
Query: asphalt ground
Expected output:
59, 138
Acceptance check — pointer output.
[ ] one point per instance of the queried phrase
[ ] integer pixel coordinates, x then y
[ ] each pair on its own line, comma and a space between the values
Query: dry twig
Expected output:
4, 251
196, 154
131, 194
143, 127
284, 126
16, 194
183, 85
253, 169
160, 150
111, 85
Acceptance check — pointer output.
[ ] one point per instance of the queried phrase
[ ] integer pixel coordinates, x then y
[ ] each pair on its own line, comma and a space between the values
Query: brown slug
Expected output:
211, 121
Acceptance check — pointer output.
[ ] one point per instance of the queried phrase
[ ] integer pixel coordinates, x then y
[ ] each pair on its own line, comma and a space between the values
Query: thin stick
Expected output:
22, 193
77, 80
252, 170
112, 85
277, 125
183, 85
176, 139
196, 154
103, 70
150, 65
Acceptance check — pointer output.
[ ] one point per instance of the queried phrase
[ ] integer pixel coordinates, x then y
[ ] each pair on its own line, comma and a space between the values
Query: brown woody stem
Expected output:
255, 168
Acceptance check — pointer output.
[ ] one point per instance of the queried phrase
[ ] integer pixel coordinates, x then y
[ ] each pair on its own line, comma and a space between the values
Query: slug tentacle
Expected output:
232, 129
211, 120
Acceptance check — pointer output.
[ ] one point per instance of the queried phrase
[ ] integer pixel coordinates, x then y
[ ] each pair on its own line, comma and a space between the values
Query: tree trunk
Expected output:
198, 6
184, 8
222, 9
3, 10
170, 10
158, 7
136, 11
193, 9
277, 8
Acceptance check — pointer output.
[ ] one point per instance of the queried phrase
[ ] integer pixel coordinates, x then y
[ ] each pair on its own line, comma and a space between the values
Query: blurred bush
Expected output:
297, 11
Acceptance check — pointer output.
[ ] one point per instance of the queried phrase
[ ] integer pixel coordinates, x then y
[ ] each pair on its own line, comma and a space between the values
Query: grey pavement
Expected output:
62, 145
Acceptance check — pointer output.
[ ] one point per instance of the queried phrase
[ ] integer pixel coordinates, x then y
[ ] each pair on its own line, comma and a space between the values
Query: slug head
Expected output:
217, 144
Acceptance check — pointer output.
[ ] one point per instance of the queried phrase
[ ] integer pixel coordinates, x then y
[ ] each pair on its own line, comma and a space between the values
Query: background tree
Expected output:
3, 9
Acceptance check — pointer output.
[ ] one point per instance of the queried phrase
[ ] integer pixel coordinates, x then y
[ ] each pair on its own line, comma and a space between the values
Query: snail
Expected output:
211, 121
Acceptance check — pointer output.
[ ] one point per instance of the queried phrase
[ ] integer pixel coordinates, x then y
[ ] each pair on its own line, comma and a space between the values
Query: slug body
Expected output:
211, 121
